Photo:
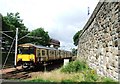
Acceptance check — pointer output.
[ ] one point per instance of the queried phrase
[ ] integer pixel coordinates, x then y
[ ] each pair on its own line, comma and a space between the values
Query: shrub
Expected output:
74, 66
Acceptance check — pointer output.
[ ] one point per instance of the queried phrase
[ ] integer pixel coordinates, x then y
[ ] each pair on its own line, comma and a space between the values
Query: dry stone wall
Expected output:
99, 42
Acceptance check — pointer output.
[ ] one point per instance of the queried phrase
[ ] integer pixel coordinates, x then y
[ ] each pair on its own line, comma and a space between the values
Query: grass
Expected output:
39, 80
73, 72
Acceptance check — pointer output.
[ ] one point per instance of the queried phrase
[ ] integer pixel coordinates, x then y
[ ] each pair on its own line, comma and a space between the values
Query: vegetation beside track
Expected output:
76, 71
10, 61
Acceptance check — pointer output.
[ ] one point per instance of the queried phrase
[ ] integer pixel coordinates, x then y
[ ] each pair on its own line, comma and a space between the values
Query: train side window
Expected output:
43, 52
59, 53
52, 52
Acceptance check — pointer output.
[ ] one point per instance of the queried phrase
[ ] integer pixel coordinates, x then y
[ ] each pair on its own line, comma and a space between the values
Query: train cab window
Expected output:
26, 50
31, 50
19, 51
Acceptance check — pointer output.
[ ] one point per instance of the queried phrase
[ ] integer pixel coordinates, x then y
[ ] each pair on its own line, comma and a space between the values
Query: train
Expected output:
31, 55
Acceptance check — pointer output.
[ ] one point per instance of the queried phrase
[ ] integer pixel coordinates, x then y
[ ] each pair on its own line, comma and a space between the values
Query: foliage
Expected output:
74, 52
75, 66
91, 76
10, 23
39, 32
13, 21
76, 38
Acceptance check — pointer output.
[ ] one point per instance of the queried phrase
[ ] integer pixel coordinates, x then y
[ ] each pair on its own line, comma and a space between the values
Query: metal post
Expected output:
44, 67
16, 46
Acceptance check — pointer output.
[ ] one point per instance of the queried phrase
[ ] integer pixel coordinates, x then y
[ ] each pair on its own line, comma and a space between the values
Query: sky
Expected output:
61, 18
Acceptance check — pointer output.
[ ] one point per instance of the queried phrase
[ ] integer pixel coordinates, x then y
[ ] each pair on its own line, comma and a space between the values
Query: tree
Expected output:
10, 23
41, 37
76, 38
74, 52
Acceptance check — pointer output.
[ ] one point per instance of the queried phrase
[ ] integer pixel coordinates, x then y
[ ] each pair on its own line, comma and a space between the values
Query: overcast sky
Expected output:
61, 18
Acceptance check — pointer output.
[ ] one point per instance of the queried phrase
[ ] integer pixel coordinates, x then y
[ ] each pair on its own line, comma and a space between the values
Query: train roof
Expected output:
37, 46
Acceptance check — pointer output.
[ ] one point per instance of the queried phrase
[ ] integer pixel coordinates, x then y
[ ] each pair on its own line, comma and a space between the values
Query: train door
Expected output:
44, 56
51, 54
57, 54
38, 55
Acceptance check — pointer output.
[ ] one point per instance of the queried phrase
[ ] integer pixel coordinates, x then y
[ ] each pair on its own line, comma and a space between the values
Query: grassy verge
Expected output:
73, 72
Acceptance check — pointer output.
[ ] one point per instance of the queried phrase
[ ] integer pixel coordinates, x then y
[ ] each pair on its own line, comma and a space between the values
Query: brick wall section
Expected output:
99, 42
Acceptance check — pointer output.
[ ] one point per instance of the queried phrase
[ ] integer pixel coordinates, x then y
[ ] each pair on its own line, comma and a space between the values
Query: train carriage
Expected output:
31, 55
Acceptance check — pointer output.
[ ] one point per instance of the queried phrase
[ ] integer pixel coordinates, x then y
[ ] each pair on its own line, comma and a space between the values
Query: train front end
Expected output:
26, 56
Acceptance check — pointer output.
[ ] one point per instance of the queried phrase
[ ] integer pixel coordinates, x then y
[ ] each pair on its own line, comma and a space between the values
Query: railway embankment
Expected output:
74, 71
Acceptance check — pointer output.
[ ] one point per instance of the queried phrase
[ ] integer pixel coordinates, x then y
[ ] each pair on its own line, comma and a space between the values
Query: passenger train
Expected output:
33, 55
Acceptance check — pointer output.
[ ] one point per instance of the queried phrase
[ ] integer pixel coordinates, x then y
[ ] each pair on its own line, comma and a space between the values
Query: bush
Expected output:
74, 66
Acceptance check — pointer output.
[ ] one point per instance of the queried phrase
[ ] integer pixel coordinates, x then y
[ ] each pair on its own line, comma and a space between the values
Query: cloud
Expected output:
61, 18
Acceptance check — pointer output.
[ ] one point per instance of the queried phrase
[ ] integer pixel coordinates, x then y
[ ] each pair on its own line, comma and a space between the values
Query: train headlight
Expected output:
31, 59
19, 59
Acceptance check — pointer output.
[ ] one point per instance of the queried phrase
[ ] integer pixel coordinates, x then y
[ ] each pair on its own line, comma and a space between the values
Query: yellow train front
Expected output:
30, 55
26, 55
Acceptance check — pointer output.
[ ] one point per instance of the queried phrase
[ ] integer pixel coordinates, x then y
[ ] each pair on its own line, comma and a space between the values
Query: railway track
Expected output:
16, 74
12, 73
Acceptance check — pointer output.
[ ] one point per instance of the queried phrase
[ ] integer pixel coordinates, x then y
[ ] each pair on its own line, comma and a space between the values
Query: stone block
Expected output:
115, 51
109, 54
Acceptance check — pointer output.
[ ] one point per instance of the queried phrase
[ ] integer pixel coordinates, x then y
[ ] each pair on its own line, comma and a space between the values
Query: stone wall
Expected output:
99, 42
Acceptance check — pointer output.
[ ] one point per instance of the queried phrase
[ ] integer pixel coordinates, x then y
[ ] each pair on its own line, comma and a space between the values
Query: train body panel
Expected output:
26, 57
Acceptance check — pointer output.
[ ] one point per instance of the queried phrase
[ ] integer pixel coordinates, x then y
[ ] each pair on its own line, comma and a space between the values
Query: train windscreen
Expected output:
26, 50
